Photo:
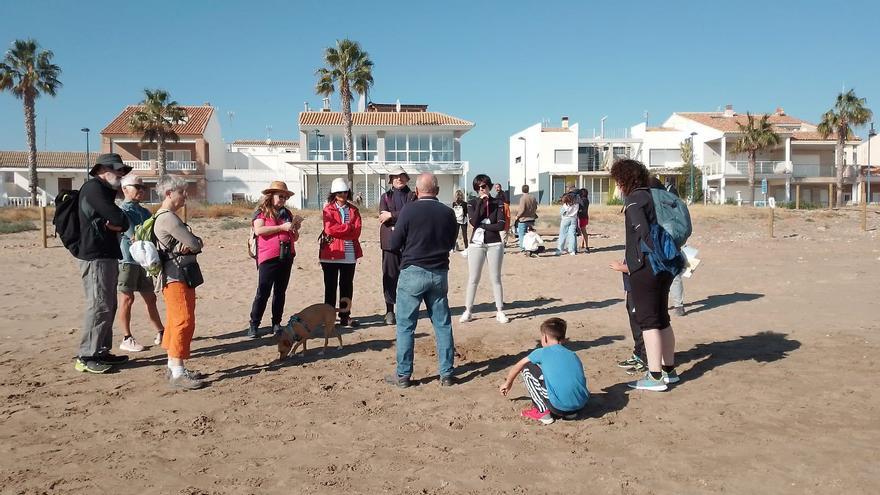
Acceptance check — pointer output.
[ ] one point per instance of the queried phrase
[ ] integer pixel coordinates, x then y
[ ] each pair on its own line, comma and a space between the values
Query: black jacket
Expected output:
386, 203
96, 208
639, 215
479, 209
425, 233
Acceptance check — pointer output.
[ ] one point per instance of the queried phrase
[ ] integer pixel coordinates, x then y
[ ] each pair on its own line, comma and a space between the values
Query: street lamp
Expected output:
318, 136
691, 170
525, 177
86, 130
871, 134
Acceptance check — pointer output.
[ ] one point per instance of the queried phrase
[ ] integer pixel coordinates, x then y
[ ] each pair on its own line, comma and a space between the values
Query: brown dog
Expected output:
304, 325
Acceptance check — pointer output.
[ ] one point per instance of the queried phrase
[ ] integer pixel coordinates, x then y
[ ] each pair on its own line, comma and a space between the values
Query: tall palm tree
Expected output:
351, 68
849, 110
155, 122
756, 135
28, 72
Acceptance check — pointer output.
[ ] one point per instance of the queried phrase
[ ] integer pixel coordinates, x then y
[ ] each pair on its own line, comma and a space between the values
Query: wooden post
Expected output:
864, 208
830, 196
797, 197
43, 225
771, 220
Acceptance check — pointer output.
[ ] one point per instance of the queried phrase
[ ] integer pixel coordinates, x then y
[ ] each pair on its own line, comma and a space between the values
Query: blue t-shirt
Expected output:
563, 376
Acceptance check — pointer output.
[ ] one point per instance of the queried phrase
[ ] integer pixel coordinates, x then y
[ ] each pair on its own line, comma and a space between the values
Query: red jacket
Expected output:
340, 232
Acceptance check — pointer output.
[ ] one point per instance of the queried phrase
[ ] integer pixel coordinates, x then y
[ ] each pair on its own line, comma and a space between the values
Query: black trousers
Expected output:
638, 339
464, 233
274, 275
339, 275
390, 274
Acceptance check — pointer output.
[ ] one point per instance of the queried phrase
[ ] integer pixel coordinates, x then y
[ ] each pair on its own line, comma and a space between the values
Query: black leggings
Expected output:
274, 275
464, 233
341, 275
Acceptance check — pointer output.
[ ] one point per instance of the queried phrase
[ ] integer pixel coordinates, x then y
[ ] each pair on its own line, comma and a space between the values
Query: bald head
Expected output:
426, 184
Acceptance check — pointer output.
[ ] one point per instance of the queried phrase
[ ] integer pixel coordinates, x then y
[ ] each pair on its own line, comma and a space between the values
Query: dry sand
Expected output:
776, 357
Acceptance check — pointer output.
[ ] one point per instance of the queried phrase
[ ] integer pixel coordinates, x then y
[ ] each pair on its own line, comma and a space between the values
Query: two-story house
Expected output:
56, 171
199, 148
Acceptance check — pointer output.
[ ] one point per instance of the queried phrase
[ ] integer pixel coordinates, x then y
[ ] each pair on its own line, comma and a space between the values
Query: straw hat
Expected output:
277, 187
397, 171
339, 185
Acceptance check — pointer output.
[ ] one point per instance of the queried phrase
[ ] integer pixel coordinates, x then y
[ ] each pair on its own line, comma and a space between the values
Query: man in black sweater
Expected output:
425, 233
100, 222
391, 203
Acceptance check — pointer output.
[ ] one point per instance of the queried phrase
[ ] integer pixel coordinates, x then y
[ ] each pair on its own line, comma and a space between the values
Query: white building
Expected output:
250, 165
868, 154
56, 171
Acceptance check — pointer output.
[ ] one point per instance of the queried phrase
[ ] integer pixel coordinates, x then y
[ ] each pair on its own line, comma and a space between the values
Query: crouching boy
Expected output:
553, 377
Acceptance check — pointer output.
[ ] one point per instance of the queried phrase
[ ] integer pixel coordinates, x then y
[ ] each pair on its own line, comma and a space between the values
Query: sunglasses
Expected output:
137, 186
484, 186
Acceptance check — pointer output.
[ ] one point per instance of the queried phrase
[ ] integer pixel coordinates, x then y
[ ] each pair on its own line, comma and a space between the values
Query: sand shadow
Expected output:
605, 249
762, 347
490, 306
612, 399
565, 308
718, 300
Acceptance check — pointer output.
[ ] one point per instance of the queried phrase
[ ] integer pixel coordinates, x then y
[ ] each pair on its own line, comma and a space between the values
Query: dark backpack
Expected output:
583, 207
66, 219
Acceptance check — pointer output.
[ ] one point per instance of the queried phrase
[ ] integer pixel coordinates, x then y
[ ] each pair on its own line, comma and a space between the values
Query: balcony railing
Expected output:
741, 167
814, 170
176, 165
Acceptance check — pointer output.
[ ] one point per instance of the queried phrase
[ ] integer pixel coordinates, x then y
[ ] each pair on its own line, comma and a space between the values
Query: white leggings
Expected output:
477, 256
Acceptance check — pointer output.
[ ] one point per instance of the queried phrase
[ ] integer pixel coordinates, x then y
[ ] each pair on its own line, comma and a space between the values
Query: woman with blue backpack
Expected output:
646, 278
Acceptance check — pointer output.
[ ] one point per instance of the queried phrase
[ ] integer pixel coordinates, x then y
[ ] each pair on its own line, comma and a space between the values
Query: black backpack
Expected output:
66, 219
583, 206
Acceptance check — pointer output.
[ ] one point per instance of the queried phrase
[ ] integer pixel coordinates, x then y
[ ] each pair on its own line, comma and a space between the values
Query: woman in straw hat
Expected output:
340, 247
276, 231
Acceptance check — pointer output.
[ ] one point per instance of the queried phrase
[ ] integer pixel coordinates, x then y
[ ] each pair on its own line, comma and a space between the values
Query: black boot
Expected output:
253, 331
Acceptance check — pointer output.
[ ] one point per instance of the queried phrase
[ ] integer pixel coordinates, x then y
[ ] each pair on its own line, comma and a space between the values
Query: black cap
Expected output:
112, 161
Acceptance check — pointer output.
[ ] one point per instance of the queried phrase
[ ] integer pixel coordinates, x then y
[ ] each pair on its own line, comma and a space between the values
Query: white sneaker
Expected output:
501, 317
464, 254
130, 345
465, 317
158, 339
572, 254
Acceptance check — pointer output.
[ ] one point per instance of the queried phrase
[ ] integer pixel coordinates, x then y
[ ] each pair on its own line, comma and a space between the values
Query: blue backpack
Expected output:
672, 216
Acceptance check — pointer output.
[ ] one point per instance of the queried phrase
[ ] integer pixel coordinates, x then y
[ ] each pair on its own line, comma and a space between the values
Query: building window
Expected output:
332, 147
664, 157
518, 159
589, 158
8, 177
562, 157
428, 148
239, 198
621, 152
178, 155
149, 155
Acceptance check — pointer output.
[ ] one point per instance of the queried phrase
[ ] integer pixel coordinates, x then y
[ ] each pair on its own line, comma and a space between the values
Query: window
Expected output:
662, 157
562, 157
621, 152
178, 155
419, 147
149, 155
239, 198
518, 160
8, 177
332, 146
589, 158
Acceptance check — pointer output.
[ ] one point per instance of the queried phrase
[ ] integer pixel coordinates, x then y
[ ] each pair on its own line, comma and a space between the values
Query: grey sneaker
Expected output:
193, 373
186, 381
679, 311
390, 319
397, 381
276, 330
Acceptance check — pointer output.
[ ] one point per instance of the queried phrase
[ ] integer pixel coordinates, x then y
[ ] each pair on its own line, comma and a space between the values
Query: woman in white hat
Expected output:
276, 231
340, 247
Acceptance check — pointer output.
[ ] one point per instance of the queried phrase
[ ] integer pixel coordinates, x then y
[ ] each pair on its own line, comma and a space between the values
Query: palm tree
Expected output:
28, 72
755, 136
849, 110
351, 68
155, 122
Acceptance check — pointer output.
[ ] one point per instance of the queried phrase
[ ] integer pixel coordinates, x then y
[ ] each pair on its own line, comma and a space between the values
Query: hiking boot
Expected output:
390, 319
544, 417
447, 381
158, 339
253, 332
130, 345
501, 317
105, 357
398, 381
670, 377
679, 311
91, 366
465, 317
648, 383
186, 381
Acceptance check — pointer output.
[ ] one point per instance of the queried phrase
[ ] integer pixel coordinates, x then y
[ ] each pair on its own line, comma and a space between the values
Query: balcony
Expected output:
801, 171
741, 168
171, 166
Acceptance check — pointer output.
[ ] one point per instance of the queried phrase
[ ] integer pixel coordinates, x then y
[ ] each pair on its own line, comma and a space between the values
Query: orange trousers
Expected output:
180, 319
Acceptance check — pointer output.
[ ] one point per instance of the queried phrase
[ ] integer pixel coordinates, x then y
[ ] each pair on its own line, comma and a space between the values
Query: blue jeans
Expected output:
415, 285
567, 239
521, 228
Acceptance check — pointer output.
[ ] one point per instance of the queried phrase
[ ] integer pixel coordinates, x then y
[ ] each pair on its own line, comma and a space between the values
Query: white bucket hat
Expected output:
339, 185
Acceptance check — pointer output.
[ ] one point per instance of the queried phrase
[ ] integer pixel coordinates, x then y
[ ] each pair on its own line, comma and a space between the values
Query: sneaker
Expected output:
252, 332
90, 366
465, 317
158, 339
130, 345
501, 318
570, 416
670, 377
544, 417
679, 311
186, 381
638, 369
398, 381
198, 375
572, 254
648, 383
276, 330
464, 254
447, 381
112, 359
631, 362
349, 323
390, 319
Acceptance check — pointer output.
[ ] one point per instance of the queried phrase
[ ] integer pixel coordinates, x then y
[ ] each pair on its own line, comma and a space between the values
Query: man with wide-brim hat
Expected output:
112, 162
390, 205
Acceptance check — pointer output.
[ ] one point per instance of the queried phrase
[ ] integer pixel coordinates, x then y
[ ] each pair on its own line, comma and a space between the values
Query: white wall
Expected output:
214, 138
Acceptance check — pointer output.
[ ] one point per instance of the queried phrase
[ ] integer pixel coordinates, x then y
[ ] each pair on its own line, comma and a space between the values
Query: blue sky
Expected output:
502, 65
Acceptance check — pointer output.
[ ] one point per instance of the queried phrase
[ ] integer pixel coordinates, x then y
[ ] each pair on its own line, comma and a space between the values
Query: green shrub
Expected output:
13, 227
232, 224
729, 201
614, 202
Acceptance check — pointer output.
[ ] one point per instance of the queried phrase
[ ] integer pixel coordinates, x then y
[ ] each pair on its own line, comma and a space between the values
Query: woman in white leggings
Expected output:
486, 216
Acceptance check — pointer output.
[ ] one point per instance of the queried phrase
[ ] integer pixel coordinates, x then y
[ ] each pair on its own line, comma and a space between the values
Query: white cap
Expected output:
339, 185
131, 179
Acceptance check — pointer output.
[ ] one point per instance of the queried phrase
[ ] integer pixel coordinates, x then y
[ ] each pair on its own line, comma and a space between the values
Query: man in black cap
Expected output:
100, 223
390, 204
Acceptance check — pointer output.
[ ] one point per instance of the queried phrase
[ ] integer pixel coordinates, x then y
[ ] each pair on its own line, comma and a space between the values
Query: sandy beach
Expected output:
775, 354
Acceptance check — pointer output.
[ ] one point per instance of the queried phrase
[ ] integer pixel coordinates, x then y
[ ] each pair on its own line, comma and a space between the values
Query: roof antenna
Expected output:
268, 134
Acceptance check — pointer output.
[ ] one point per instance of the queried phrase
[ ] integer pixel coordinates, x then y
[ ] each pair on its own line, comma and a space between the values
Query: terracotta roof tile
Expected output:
197, 120
258, 142
383, 119
718, 121
815, 136
47, 159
